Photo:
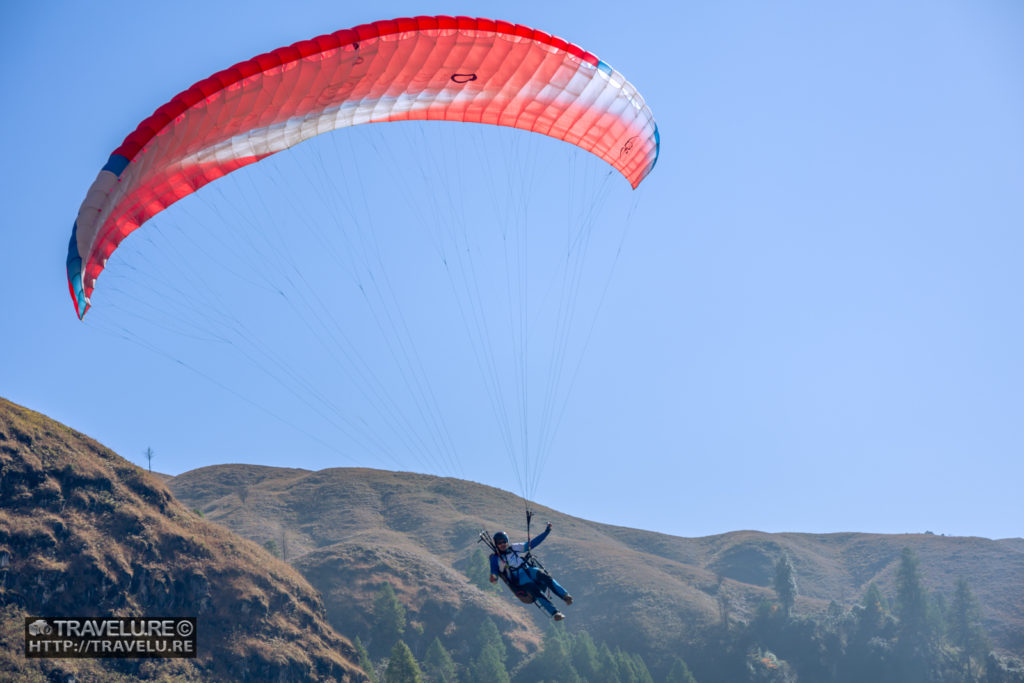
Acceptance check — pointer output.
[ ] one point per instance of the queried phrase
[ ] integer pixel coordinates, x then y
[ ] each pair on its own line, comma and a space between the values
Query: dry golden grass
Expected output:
351, 530
86, 533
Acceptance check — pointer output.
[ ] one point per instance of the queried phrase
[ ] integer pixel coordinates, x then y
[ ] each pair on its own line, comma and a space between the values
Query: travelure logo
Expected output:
110, 637
40, 627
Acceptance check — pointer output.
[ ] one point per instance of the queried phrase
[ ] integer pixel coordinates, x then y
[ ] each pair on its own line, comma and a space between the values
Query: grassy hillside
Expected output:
350, 530
85, 533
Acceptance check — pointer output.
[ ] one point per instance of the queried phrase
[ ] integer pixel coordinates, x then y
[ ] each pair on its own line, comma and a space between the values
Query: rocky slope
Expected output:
85, 533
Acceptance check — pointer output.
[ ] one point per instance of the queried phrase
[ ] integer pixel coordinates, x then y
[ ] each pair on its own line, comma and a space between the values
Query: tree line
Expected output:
563, 658
912, 636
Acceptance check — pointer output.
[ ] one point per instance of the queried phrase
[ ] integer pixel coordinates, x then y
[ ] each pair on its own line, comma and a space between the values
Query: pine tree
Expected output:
388, 620
490, 663
608, 671
964, 626
913, 642
632, 668
873, 614
585, 656
785, 584
402, 667
724, 603
679, 673
911, 601
867, 652
489, 667
554, 662
490, 636
438, 664
478, 571
364, 660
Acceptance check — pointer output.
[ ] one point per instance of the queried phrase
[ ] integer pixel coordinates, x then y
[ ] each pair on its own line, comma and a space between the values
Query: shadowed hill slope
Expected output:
85, 533
351, 530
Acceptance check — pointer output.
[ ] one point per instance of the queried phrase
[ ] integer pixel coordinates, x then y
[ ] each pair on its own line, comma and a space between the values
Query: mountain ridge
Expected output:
80, 525
650, 591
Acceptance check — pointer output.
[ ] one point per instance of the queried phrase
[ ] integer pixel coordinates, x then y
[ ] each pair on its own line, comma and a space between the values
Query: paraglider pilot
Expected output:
529, 582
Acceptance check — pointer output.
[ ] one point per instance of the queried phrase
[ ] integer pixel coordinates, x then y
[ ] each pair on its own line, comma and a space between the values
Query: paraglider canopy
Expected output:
425, 68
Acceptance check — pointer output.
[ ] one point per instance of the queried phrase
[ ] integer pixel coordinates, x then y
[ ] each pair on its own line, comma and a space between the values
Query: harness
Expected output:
527, 558
508, 570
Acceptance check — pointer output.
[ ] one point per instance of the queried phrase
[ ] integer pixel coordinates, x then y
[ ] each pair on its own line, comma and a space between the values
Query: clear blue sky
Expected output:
814, 324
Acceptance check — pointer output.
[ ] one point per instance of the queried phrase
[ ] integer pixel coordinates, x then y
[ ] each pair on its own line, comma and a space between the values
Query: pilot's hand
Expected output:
494, 579
549, 527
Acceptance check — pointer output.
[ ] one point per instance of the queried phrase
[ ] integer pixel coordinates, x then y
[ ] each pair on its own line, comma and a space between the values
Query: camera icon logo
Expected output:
40, 627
